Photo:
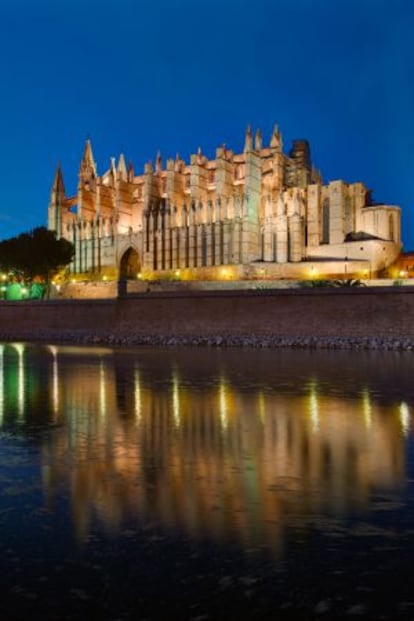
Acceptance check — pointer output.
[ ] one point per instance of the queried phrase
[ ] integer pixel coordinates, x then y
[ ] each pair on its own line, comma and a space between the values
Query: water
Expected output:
205, 484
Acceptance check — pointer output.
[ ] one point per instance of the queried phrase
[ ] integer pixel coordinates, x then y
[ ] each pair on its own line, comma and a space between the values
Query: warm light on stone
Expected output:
238, 209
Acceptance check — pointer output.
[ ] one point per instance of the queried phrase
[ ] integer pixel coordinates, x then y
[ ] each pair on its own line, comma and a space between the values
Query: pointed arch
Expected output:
129, 265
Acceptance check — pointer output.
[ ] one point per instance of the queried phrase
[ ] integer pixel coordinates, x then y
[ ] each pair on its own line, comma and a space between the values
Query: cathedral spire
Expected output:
122, 169
276, 139
87, 159
258, 141
248, 143
57, 202
58, 187
158, 162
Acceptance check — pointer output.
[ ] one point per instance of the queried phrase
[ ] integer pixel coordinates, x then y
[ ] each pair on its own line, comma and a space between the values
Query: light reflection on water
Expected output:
228, 445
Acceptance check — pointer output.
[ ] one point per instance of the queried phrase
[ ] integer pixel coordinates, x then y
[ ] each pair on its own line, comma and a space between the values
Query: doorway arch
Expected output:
129, 265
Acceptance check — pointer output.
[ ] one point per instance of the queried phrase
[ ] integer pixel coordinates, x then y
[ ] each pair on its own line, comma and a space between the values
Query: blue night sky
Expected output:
173, 75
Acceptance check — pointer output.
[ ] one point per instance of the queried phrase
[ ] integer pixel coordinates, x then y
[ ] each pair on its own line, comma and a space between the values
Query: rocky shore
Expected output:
216, 340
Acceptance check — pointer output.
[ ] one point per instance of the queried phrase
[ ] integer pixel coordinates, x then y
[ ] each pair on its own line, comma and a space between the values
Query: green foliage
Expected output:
348, 282
319, 282
316, 282
36, 253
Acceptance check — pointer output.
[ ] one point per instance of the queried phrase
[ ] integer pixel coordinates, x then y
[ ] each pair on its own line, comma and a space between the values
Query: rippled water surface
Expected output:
204, 484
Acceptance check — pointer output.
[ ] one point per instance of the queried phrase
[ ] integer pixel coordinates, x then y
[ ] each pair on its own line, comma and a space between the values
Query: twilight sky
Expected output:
136, 76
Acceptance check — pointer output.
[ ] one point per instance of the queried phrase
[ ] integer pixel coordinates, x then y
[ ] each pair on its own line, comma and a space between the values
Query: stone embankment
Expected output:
218, 340
369, 318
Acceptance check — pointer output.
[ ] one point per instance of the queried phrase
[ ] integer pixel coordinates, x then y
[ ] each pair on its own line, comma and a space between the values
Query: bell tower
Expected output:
57, 203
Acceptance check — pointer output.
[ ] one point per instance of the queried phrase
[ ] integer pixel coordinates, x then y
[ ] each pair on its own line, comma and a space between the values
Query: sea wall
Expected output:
366, 316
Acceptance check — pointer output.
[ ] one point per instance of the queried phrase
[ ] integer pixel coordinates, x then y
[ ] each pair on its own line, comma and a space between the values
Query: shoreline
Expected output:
250, 341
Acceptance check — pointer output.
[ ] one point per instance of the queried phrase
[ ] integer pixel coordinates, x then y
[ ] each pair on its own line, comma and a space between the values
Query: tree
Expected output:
36, 253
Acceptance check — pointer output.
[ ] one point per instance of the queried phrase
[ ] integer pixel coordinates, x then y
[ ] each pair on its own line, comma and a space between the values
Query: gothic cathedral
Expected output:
259, 213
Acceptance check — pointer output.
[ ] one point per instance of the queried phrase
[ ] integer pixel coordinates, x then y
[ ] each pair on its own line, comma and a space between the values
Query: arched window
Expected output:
391, 227
348, 216
325, 221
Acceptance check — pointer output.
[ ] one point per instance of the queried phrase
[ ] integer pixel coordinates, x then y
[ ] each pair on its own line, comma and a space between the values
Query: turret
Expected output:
122, 169
258, 141
158, 162
276, 139
248, 142
301, 158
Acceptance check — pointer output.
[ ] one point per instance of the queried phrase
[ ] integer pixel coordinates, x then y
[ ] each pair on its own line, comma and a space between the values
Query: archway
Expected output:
129, 266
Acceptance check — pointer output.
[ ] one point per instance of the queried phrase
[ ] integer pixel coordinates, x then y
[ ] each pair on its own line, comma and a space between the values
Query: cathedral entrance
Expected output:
130, 265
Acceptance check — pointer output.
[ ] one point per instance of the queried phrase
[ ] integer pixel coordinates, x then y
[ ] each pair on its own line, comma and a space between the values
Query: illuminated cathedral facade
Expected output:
259, 213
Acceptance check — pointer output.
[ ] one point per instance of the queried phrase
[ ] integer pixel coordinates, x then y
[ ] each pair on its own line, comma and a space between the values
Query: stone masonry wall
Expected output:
369, 312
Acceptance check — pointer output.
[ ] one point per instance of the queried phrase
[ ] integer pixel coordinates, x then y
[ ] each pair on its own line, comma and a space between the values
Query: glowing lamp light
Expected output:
403, 274
104, 277
139, 275
177, 273
73, 280
3, 276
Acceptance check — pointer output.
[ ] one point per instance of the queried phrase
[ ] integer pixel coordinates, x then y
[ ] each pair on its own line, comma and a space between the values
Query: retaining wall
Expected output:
366, 312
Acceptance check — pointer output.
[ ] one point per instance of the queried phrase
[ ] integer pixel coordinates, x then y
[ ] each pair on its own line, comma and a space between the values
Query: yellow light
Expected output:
224, 273
403, 274
104, 277
73, 280
405, 418
139, 275
3, 276
177, 273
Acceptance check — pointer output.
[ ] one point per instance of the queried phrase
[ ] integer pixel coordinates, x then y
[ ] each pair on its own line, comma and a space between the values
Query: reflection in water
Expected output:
222, 444
404, 418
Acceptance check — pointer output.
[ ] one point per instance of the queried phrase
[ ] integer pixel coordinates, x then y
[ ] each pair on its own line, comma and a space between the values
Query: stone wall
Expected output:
367, 312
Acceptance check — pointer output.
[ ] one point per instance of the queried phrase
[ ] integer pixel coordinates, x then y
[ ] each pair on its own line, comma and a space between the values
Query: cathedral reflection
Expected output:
210, 453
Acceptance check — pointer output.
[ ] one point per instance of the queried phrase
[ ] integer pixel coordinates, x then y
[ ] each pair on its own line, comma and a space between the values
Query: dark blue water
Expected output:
203, 484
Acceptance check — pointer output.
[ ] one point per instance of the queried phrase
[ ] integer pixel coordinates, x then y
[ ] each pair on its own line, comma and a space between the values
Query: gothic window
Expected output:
238, 172
187, 181
325, 221
164, 185
391, 227
348, 216
211, 176
139, 192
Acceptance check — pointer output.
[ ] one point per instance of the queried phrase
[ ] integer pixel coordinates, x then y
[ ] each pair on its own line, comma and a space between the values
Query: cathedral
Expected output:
257, 214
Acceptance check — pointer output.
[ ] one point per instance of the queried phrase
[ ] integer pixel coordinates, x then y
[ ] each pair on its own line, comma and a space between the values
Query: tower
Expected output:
57, 203
87, 183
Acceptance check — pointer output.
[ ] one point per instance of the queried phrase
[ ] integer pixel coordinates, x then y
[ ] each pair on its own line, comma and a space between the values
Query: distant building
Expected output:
260, 213
404, 266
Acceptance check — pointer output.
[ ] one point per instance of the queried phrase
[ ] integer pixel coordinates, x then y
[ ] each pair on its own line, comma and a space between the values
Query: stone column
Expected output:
313, 215
282, 239
336, 201
209, 243
295, 238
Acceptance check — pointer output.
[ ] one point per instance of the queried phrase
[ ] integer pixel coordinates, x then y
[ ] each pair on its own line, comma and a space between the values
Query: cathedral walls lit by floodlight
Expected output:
246, 215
